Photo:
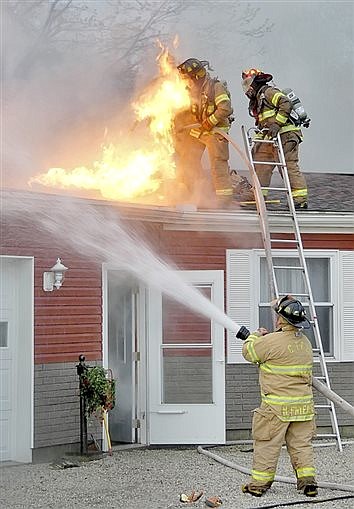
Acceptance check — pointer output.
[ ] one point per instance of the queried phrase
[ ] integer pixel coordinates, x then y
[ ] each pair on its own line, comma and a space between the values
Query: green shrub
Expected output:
98, 389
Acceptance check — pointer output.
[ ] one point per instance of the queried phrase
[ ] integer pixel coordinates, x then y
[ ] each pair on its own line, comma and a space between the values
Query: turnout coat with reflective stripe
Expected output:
272, 105
212, 104
285, 371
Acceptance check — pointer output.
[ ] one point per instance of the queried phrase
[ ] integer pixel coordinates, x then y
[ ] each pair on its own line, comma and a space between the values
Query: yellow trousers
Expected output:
269, 434
189, 151
266, 152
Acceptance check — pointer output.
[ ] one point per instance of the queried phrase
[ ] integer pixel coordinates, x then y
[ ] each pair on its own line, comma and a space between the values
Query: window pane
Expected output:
187, 375
3, 334
287, 279
319, 274
325, 320
265, 318
291, 281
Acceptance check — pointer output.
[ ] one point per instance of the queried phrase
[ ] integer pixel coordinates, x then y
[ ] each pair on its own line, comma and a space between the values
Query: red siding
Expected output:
207, 250
68, 322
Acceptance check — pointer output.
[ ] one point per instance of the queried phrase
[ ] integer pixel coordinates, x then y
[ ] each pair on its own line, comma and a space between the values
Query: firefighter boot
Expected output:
240, 185
301, 205
311, 490
256, 492
307, 486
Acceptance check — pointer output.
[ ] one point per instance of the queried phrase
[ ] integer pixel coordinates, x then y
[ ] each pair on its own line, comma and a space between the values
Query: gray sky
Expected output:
310, 48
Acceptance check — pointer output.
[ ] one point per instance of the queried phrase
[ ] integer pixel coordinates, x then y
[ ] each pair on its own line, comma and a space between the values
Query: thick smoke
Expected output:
66, 91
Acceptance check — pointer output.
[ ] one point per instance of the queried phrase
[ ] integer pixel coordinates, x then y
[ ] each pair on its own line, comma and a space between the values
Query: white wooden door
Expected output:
8, 335
186, 368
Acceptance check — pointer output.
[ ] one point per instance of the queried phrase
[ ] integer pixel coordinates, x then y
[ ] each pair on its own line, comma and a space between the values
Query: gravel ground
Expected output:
154, 478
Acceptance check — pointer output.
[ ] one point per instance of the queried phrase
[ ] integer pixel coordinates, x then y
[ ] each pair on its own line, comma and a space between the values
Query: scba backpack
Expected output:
298, 115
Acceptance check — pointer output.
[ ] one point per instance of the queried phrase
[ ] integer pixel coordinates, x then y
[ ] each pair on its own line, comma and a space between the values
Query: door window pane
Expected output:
187, 375
3, 334
186, 353
182, 325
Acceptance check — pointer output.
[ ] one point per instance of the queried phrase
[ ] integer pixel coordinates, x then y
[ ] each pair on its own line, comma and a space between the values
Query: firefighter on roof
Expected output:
210, 108
271, 109
286, 413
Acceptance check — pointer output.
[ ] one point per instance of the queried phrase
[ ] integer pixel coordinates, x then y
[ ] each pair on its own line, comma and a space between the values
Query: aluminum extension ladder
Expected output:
269, 243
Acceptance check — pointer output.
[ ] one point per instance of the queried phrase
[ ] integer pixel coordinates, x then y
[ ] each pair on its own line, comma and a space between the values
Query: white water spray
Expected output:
97, 233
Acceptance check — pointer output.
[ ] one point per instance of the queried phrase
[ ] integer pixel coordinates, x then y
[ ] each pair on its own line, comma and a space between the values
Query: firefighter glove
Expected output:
273, 130
207, 125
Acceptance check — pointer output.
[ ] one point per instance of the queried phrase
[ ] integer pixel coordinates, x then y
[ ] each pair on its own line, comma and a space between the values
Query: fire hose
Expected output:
279, 478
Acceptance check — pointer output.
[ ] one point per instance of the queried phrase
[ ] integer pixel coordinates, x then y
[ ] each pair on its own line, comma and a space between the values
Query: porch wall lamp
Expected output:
53, 279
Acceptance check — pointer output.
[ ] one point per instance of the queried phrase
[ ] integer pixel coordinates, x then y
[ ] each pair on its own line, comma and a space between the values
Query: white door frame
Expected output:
181, 423
140, 368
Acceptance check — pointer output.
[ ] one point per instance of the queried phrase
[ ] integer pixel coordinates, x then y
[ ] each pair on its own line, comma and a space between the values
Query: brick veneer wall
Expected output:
57, 406
242, 396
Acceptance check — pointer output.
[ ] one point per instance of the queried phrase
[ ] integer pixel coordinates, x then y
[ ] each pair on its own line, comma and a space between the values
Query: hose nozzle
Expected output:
243, 333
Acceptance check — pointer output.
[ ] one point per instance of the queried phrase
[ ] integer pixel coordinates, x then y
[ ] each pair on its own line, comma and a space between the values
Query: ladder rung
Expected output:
321, 378
282, 214
294, 293
285, 241
275, 189
263, 140
287, 267
326, 435
322, 406
269, 163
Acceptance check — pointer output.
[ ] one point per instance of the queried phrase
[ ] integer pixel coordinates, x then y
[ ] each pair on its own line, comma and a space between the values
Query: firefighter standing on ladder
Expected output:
286, 414
271, 109
210, 107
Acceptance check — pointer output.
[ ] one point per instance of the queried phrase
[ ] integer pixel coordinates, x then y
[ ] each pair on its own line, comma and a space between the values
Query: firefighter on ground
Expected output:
286, 413
271, 110
210, 108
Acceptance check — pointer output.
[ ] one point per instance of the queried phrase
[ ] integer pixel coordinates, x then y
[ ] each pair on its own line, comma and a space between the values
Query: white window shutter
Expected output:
346, 303
239, 297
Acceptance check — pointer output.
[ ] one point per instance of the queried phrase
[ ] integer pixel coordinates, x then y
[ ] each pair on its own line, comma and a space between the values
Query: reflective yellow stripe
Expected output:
299, 192
272, 399
250, 349
258, 475
213, 120
276, 97
290, 127
220, 98
305, 472
293, 370
195, 133
266, 114
281, 118
223, 128
224, 192
297, 418
252, 352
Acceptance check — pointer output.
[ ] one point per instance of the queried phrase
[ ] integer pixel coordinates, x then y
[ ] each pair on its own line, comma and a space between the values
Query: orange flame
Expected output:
123, 174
